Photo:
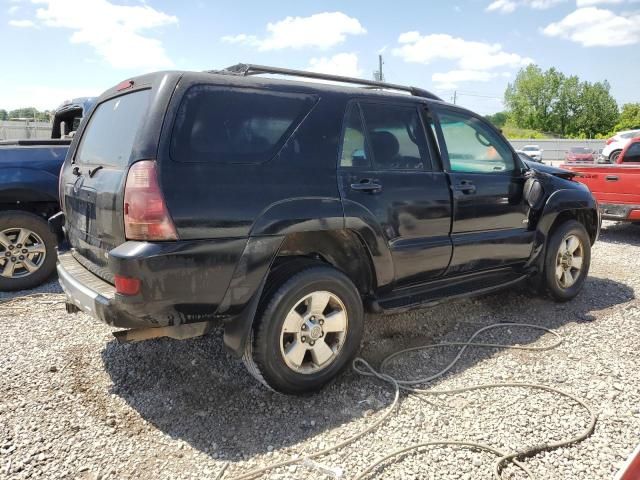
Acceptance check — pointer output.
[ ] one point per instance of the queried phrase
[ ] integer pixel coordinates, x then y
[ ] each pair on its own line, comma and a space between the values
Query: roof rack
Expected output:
246, 69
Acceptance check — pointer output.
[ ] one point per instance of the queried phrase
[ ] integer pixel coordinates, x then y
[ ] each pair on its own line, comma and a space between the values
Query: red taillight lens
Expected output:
610, 140
127, 286
145, 214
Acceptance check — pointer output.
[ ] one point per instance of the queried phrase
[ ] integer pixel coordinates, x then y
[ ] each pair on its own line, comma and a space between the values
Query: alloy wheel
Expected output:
22, 252
569, 261
314, 332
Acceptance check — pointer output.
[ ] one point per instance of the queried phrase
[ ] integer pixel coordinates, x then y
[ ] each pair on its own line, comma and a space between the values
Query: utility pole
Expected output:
378, 75
455, 96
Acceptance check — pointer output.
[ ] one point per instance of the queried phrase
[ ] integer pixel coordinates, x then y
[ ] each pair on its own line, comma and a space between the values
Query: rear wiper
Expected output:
93, 171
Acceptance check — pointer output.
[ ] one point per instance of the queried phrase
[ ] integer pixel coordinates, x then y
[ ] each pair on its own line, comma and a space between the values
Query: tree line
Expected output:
554, 103
30, 113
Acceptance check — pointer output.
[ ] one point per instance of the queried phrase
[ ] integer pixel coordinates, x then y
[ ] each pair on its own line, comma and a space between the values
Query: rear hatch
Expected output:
118, 133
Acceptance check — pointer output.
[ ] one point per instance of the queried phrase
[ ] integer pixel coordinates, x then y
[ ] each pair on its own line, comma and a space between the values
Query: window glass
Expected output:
108, 139
353, 151
473, 146
632, 154
235, 125
396, 136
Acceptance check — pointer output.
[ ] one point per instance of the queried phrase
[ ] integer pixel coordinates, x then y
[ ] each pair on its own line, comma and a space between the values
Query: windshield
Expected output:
108, 139
581, 150
531, 149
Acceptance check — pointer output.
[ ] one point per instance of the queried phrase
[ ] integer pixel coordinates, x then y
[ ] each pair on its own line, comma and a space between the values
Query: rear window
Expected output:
108, 139
222, 125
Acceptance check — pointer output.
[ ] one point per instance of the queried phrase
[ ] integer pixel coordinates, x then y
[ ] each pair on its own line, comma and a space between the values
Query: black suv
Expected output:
284, 210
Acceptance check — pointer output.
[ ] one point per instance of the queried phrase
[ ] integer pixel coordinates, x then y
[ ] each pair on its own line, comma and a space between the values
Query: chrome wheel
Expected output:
569, 261
22, 252
313, 332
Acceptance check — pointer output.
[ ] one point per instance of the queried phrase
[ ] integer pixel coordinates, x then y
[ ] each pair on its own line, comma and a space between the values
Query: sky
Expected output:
54, 50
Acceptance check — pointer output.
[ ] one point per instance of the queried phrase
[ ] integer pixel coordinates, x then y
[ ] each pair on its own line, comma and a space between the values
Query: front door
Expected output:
489, 227
386, 173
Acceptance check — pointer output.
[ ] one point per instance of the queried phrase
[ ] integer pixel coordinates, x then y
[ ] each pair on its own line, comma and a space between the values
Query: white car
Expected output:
616, 144
533, 151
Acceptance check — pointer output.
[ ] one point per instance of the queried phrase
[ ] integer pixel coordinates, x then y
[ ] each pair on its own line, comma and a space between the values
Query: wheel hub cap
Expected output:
569, 261
22, 252
313, 332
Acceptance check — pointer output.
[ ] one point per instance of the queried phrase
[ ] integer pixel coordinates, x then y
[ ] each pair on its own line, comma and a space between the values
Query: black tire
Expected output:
14, 219
613, 156
551, 283
263, 355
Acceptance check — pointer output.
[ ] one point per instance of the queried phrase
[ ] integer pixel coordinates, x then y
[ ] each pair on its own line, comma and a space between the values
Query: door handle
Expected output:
367, 185
465, 187
611, 178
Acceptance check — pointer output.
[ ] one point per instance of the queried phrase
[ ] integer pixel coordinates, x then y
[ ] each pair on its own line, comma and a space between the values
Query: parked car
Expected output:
29, 195
286, 209
579, 155
616, 144
616, 186
534, 151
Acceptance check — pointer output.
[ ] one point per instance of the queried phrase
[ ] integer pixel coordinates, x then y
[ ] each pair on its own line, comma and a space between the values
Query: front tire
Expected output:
27, 251
308, 330
567, 261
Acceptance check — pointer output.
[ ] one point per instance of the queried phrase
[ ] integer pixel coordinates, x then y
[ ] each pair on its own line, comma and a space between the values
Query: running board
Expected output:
178, 332
427, 297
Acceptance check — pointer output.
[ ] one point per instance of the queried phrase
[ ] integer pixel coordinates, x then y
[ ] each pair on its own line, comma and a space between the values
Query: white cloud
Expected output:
322, 30
345, 64
593, 27
469, 55
113, 31
22, 23
508, 6
502, 6
13, 9
589, 3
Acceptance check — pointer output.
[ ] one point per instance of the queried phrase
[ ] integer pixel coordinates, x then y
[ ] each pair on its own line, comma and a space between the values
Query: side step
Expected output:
445, 290
178, 332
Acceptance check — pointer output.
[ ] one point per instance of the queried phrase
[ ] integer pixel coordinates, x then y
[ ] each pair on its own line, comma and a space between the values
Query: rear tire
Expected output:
567, 261
27, 251
613, 156
307, 330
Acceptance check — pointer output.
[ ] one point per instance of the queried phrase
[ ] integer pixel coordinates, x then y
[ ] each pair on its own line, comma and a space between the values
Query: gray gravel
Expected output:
74, 404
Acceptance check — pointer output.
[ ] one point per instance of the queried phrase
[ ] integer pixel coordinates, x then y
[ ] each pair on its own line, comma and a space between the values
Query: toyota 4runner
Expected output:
284, 210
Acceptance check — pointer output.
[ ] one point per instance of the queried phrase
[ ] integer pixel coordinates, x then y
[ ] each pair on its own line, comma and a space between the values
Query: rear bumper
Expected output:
620, 211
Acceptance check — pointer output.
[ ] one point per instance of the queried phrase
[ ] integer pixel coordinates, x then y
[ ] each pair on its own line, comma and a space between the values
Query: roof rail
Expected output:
246, 69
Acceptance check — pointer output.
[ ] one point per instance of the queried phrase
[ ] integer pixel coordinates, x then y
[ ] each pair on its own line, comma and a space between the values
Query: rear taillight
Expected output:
145, 214
126, 285
610, 140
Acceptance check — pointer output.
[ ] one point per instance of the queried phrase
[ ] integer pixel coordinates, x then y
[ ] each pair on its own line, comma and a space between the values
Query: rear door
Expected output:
386, 173
93, 182
489, 227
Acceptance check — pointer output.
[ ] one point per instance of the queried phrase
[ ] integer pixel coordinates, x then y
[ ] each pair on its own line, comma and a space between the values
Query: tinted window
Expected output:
354, 150
473, 146
396, 137
108, 139
581, 150
531, 149
235, 125
633, 153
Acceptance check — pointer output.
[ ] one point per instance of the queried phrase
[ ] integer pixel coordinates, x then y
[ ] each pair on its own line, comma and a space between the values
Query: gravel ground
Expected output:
74, 404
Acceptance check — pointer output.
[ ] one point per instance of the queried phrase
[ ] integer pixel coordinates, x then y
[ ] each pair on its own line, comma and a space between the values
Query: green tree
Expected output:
3, 114
499, 119
567, 107
599, 110
629, 118
30, 113
549, 101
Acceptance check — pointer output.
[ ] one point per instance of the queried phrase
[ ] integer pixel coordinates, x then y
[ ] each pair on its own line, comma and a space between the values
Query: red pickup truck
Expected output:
615, 186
